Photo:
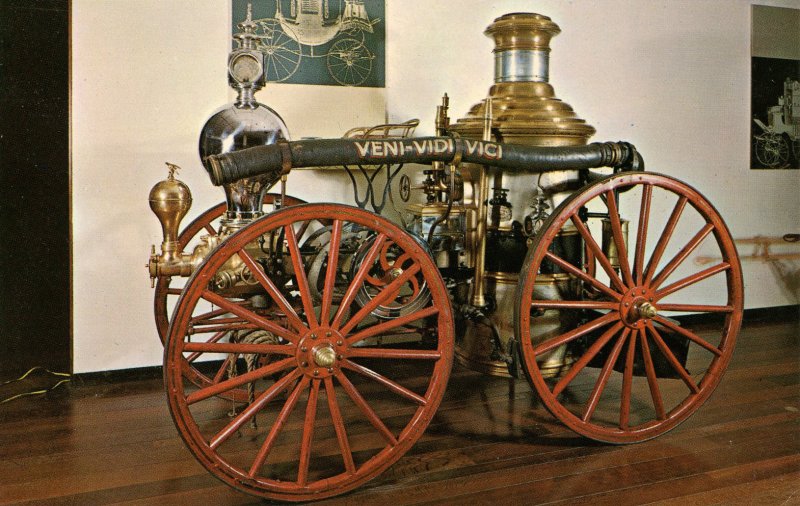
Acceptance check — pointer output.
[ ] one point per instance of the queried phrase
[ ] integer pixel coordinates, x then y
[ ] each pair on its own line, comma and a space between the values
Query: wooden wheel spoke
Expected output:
681, 256
250, 316
582, 275
211, 231
338, 425
365, 409
383, 380
308, 433
226, 327
574, 304
619, 240
698, 308
358, 279
641, 233
374, 330
208, 317
216, 337
300, 276
248, 377
262, 400
174, 291
330, 275
652, 379
223, 368
669, 228
627, 382
563, 339
383, 296
587, 357
273, 291
395, 354
671, 359
601, 257
277, 426
605, 373
688, 334
240, 348
202, 326
690, 280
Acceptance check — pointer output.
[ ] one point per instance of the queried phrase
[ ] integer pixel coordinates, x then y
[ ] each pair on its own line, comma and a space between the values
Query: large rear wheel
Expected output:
646, 346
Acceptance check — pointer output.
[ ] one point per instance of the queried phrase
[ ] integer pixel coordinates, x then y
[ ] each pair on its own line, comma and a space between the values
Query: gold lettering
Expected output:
491, 151
377, 149
439, 146
363, 149
419, 147
472, 146
392, 148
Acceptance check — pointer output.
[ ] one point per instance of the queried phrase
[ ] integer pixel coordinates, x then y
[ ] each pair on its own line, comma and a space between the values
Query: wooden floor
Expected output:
112, 442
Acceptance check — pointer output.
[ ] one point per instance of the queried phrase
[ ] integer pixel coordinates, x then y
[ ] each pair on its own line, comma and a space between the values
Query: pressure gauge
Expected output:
246, 68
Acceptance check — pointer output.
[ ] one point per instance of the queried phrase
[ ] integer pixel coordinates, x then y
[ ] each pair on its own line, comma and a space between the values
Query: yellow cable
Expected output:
35, 392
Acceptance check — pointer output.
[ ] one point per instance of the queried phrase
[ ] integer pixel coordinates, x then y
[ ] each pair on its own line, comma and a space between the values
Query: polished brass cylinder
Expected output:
609, 245
170, 200
524, 110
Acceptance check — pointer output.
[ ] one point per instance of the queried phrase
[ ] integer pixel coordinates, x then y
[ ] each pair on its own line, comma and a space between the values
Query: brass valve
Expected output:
170, 200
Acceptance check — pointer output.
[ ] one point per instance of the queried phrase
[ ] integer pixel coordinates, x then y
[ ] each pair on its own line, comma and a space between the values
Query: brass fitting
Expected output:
170, 200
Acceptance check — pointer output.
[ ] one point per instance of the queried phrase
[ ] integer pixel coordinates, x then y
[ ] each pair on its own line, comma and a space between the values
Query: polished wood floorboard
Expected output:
113, 442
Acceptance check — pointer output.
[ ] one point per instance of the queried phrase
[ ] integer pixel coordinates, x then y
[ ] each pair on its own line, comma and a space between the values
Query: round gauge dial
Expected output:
245, 68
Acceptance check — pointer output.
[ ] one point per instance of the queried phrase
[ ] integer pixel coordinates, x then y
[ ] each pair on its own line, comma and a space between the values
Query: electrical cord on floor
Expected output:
36, 392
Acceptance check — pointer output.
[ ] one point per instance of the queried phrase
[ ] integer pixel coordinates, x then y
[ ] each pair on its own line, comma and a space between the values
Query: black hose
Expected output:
276, 159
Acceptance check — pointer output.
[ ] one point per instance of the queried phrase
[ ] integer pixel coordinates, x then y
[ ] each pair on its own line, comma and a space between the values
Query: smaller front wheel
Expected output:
648, 344
338, 387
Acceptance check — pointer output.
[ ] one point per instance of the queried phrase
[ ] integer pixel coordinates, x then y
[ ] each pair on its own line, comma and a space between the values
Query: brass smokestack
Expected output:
525, 108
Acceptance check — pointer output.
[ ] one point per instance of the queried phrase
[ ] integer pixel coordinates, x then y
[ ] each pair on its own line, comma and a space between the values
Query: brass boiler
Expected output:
521, 108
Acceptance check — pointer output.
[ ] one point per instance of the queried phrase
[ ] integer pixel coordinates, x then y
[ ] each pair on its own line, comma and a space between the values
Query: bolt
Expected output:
339, 342
328, 334
304, 363
316, 372
330, 370
313, 336
626, 304
303, 349
339, 357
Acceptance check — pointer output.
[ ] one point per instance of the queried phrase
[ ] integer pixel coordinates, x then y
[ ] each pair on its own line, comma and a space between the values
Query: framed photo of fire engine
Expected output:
325, 42
775, 88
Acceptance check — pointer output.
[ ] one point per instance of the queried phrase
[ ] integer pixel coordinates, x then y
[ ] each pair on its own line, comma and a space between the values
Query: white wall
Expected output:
670, 76
146, 74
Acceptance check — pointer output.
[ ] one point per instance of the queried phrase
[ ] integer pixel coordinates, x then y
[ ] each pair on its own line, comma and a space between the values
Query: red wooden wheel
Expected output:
168, 289
647, 353
337, 393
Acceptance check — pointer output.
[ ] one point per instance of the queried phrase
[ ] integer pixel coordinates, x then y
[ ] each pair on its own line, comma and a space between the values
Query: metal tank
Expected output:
521, 108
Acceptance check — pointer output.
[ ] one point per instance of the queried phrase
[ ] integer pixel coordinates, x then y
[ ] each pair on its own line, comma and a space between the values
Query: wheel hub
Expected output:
320, 352
324, 356
636, 307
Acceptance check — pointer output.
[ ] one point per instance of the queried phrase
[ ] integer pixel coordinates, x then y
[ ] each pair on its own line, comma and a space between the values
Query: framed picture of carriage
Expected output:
324, 42
775, 88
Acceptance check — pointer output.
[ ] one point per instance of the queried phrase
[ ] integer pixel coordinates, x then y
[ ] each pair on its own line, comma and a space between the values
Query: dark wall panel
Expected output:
34, 180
